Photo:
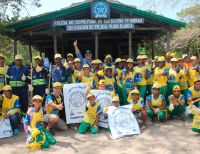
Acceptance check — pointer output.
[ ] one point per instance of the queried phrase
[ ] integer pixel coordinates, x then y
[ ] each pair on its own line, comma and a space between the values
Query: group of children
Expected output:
159, 89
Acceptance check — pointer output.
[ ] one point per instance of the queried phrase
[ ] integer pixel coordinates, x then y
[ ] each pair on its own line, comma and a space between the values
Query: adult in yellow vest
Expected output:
3, 71
91, 116
10, 108
157, 104
140, 76
160, 75
194, 93
193, 70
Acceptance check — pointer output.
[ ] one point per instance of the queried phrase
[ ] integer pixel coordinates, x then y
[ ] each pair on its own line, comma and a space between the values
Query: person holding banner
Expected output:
86, 77
157, 105
18, 77
3, 71
138, 107
39, 78
34, 126
10, 108
54, 108
91, 116
176, 104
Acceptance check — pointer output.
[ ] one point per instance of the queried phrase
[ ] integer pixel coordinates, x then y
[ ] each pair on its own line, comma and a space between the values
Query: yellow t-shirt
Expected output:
192, 75
92, 113
138, 105
139, 75
173, 76
168, 65
161, 79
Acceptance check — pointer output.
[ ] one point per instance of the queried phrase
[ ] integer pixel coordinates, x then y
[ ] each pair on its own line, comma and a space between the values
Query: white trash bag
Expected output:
5, 128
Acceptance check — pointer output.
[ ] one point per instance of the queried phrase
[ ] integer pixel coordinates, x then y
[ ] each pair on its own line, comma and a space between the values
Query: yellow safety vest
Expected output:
56, 101
3, 71
156, 102
36, 117
162, 80
139, 72
89, 80
137, 105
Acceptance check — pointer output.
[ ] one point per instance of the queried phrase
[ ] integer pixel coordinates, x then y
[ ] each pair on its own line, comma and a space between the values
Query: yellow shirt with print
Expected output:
192, 75
139, 75
92, 113
161, 79
137, 105
183, 79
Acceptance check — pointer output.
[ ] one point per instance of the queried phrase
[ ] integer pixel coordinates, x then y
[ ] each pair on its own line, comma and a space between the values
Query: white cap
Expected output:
185, 55
193, 58
57, 56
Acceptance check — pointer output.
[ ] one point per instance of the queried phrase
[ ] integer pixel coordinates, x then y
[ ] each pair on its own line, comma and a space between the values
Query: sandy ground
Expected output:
172, 137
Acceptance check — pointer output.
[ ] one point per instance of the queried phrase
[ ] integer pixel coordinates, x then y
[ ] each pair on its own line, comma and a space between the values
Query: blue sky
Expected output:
52, 5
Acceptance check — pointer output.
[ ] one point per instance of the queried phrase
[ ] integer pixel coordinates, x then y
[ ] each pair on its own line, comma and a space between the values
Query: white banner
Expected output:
75, 102
122, 122
105, 99
5, 128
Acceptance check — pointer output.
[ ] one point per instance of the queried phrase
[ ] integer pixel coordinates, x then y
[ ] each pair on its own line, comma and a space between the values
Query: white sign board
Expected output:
122, 122
5, 128
75, 102
105, 100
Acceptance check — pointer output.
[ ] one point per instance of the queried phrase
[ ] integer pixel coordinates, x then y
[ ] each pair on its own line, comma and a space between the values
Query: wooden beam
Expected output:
130, 44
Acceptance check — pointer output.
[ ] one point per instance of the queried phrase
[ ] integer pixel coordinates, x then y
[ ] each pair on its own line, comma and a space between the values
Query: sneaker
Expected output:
16, 132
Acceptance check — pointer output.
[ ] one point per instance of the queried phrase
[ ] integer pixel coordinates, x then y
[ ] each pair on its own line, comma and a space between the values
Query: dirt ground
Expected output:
172, 137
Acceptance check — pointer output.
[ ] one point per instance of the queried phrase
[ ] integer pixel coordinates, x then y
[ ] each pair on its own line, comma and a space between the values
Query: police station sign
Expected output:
99, 24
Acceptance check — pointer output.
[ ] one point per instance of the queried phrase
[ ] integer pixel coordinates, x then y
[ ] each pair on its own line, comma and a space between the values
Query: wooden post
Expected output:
130, 48
55, 43
168, 41
96, 45
30, 52
153, 48
15, 47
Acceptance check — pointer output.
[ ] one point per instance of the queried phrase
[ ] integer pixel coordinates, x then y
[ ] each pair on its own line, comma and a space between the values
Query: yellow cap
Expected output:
57, 84
102, 82
115, 99
77, 60
118, 60
129, 60
196, 79
57, 56
100, 73
108, 57
180, 59
193, 58
38, 57
37, 97
86, 66
168, 54
7, 87
174, 60
18, 57
95, 61
70, 54
173, 55
99, 61
135, 91
156, 85
176, 88
90, 95
161, 59
2, 56
144, 57
139, 57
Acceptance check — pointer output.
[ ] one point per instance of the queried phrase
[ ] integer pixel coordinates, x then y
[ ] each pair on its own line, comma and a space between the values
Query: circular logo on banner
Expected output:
122, 120
100, 10
138, 77
104, 101
77, 99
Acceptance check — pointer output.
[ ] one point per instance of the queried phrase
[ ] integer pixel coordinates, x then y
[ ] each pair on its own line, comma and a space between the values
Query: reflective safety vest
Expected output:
56, 101
39, 77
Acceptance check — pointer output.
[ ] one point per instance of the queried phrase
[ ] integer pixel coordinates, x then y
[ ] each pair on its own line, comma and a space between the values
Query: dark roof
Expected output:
76, 7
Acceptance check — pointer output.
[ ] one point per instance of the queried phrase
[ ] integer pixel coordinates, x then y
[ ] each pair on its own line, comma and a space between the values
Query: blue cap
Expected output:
88, 52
